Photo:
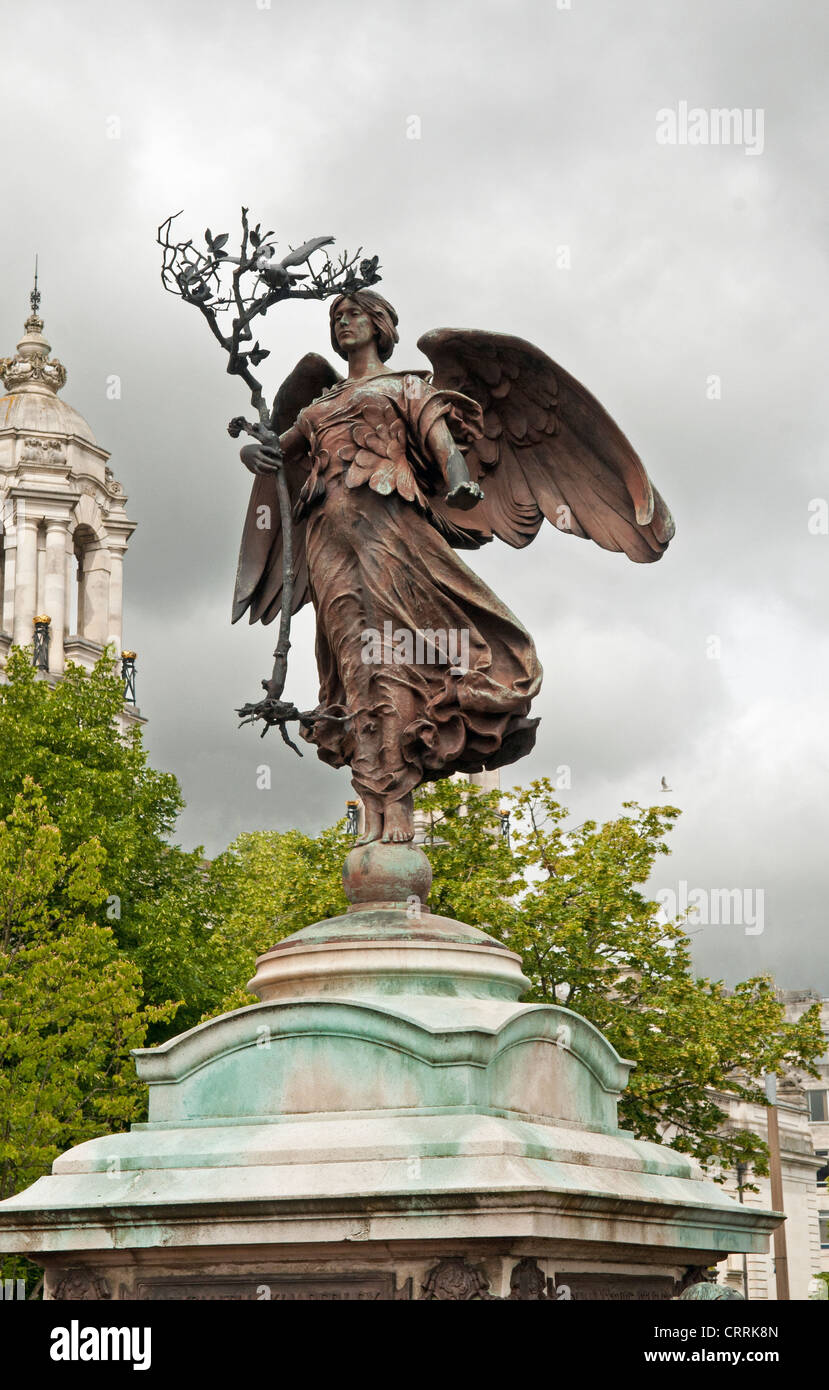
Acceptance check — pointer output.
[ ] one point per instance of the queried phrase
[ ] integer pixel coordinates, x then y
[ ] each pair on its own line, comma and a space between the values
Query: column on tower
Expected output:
41, 570
116, 593
25, 596
94, 621
9, 570
70, 589
54, 589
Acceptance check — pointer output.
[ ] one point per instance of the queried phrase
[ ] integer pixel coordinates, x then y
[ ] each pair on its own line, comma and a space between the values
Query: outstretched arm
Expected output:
463, 493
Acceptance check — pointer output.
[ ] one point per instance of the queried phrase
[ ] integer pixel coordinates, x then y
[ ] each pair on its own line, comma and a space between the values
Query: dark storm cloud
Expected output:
687, 263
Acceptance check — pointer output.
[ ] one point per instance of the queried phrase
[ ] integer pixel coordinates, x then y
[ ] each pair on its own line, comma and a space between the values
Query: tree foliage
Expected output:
266, 886
588, 935
588, 932
70, 1001
98, 785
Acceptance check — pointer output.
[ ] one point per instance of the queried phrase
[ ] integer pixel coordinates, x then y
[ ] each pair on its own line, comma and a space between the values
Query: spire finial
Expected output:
34, 297
31, 368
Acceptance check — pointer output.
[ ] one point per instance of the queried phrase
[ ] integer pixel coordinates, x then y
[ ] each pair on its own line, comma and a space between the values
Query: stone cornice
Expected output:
15, 432
35, 492
73, 643
32, 490
119, 533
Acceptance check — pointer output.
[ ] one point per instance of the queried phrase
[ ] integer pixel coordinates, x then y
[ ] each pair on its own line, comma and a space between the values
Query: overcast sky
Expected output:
538, 131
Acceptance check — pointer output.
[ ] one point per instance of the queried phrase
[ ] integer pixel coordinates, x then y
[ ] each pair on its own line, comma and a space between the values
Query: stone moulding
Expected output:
601, 1211
474, 1042
463, 1173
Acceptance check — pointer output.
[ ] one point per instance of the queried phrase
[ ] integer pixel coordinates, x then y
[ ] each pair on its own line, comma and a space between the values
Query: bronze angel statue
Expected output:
390, 474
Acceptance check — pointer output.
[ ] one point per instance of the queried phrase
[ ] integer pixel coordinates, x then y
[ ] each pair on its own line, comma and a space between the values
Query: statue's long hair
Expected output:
382, 315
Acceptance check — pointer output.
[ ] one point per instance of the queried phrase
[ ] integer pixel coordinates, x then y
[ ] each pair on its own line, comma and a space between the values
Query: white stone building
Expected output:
816, 1095
64, 530
803, 1120
800, 1197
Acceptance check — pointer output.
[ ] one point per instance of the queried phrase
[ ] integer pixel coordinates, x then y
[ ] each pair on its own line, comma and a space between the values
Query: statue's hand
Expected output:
464, 496
261, 458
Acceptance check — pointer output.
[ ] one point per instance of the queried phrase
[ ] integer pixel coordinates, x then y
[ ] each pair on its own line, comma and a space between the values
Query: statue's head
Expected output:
380, 315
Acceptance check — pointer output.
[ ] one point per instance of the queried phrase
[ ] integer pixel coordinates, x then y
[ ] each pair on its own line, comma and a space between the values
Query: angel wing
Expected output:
259, 574
549, 449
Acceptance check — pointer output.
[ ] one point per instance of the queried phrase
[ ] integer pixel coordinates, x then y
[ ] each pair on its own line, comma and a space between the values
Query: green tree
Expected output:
266, 886
97, 784
70, 1002
588, 935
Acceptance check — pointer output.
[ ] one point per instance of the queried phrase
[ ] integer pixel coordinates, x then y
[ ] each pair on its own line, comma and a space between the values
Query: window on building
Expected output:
822, 1155
824, 1232
818, 1106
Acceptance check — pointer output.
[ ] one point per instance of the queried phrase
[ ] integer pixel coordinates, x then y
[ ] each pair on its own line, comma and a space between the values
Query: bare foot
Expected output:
374, 826
398, 821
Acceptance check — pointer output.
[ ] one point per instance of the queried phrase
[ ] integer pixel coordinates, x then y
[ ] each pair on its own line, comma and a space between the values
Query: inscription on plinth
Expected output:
276, 1288
613, 1287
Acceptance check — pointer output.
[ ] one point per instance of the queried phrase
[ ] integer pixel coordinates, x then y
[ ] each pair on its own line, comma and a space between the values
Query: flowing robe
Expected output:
431, 670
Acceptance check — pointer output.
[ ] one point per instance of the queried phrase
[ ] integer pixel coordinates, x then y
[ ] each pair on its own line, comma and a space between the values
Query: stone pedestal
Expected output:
388, 1122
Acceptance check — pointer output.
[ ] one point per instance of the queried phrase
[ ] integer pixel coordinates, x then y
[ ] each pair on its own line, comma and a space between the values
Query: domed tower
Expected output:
63, 525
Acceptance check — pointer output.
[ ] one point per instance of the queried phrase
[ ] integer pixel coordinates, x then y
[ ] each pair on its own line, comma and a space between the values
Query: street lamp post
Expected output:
781, 1261
128, 676
40, 649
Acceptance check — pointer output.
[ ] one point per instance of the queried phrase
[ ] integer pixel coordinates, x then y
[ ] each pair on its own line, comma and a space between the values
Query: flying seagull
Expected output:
277, 273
